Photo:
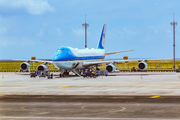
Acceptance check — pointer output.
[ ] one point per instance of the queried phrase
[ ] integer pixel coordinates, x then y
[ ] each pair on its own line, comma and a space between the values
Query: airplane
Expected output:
76, 60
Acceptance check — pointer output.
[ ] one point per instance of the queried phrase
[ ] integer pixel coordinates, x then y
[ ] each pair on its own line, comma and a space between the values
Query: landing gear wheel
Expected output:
51, 75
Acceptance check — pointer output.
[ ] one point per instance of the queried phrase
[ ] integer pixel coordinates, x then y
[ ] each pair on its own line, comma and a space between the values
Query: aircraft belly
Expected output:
63, 65
79, 67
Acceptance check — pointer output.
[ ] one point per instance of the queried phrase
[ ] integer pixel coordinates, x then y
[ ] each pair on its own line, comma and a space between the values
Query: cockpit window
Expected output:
60, 50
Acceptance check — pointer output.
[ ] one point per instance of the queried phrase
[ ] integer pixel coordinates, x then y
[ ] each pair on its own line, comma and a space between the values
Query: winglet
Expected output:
101, 43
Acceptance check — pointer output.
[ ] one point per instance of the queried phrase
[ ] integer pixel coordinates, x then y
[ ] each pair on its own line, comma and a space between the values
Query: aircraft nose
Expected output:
56, 56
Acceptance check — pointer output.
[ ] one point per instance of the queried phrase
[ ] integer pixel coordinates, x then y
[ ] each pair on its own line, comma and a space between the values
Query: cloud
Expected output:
50, 31
156, 4
34, 7
26, 42
168, 31
80, 32
153, 29
9, 41
125, 32
58, 32
3, 30
129, 31
45, 24
41, 32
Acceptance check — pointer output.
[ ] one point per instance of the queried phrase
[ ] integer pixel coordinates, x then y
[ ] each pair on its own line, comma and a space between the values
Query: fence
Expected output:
153, 65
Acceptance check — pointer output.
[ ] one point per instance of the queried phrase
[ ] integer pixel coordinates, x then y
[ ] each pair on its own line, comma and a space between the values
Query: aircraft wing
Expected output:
120, 61
117, 52
45, 61
86, 64
97, 63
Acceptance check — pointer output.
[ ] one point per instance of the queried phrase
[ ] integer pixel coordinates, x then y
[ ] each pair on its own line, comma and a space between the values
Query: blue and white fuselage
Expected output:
66, 58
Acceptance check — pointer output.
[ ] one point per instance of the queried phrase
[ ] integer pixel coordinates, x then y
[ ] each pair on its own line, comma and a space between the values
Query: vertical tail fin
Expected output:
101, 43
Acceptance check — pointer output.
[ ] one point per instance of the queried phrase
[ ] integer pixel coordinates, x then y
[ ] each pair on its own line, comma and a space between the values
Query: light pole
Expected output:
174, 25
85, 25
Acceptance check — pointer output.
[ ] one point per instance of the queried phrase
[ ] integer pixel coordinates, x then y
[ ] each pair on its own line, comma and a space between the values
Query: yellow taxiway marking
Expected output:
18, 83
154, 96
144, 83
2, 95
62, 86
176, 84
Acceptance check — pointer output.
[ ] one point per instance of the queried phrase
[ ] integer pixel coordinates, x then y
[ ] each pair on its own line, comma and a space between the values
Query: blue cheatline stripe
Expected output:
82, 59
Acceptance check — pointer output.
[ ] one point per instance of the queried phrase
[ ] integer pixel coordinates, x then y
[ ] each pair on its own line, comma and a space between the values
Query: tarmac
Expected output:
119, 96
116, 84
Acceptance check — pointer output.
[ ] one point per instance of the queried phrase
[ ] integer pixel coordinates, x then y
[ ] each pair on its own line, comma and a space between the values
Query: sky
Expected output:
38, 27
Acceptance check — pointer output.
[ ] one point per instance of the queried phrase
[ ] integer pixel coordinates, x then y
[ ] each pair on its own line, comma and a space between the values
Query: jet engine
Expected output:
25, 66
110, 68
142, 66
42, 68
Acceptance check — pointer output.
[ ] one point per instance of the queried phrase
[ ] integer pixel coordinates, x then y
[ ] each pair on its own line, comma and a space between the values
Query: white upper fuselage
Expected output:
71, 54
87, 52
66, 57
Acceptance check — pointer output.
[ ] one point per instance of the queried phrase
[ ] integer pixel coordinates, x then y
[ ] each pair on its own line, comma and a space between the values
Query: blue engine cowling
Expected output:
42, 68
142, 66
25, 66
110, 68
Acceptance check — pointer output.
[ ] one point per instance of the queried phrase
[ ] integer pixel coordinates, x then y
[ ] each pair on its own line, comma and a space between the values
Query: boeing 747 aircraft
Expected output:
73, 59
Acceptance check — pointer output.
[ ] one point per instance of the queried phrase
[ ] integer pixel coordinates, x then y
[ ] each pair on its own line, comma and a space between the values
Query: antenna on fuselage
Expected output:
85, 25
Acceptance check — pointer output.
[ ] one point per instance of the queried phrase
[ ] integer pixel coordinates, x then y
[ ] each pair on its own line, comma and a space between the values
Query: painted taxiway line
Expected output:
154, 96
62, 86
90, 97
77, 118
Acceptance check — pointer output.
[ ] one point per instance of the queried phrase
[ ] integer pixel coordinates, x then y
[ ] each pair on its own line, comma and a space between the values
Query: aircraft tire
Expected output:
51, 75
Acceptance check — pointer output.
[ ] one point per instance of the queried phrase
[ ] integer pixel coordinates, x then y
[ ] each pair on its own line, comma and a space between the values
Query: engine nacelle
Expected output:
142, 66
42, 68
110, 68
25, 66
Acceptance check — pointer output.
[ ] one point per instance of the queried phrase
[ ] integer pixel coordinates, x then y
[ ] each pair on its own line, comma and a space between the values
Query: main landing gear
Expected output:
62, 74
